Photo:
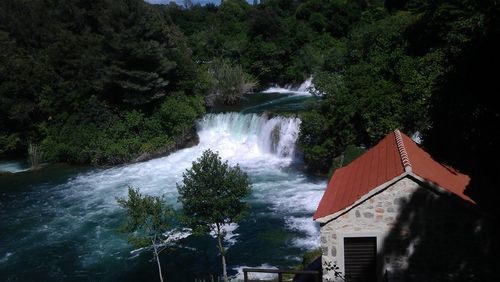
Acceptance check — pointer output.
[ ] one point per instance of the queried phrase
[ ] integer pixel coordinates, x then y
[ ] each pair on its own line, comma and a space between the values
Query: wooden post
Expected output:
245, 275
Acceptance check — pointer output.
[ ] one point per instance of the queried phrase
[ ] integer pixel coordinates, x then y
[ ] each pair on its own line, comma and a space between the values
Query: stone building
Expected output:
395, 214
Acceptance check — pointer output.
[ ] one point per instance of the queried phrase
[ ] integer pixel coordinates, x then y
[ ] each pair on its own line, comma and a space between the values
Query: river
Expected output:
59, 224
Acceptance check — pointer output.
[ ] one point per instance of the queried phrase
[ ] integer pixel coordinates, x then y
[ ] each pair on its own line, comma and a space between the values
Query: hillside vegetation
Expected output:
106, 81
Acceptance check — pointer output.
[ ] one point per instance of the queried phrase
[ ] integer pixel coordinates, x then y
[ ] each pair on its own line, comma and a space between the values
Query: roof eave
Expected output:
424, 183
469, 203
365, 197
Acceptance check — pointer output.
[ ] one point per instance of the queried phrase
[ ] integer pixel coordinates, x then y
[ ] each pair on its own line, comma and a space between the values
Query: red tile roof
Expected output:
391, 157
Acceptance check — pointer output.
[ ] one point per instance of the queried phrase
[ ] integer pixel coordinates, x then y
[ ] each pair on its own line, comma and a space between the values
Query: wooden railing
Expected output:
280, 273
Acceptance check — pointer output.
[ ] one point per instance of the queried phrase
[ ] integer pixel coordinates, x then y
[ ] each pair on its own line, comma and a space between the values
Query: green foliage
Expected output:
109, 80
419, 78
229, 82
147, 220
211, 193
317, 152
143, 63
92, 81
417, 66
9, 142
308, 257
370, 87
178, 113
98, 136
335, 17
350, 154
274, 41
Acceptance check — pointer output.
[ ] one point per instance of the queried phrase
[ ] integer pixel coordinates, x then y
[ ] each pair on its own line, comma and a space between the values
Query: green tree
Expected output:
147, 222
211, 194
229, 82
143, 64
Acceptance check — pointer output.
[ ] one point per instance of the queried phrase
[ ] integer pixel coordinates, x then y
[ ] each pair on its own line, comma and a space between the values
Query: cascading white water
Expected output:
303, 89
306, 85
275, 136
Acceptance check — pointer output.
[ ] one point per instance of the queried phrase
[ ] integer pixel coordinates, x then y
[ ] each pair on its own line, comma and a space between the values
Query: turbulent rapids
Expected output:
257, 134
302, 89
68, 228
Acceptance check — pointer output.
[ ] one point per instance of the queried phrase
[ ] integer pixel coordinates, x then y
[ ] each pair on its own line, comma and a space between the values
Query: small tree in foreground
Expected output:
147, 222
211, 194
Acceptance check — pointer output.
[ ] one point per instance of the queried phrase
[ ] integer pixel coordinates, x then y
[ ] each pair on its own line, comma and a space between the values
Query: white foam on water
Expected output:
294, 195
229, 234
12, 167
177, 234
254, 275
172, 237
308, 227
6, 257
303, 89
85, 207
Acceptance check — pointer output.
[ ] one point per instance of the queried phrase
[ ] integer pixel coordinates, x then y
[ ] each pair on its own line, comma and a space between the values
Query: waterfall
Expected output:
257, 143
302, 89
306, 85
250, 132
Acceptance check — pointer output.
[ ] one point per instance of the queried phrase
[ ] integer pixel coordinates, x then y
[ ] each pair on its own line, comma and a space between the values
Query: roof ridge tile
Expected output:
403, 154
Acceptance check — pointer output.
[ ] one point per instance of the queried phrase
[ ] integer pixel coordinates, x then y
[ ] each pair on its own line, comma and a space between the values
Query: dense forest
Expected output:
107, 81
94, 81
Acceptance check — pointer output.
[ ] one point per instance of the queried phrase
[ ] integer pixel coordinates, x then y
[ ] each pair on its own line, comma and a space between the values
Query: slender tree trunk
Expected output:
222, 252
224, 271
157, 258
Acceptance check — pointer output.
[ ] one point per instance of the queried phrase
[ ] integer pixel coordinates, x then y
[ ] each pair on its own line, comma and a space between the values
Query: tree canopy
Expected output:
212, 194
147, 222
87, 80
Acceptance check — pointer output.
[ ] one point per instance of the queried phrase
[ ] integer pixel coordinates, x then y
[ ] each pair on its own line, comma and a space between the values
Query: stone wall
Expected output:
374, 217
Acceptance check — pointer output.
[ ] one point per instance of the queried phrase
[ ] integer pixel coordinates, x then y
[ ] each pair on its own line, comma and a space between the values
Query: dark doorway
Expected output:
360, 255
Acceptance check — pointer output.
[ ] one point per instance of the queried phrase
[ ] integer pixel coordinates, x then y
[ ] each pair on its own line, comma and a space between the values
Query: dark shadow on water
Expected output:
443, 239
